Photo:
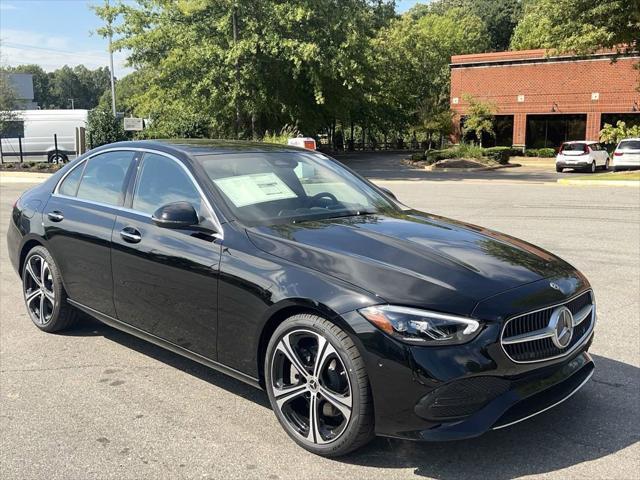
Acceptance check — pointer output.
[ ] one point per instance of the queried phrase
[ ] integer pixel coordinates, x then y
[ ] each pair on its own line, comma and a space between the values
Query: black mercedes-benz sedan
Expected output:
286, 270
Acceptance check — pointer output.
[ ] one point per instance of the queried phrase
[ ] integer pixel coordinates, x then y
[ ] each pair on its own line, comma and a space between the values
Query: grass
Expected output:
609, 176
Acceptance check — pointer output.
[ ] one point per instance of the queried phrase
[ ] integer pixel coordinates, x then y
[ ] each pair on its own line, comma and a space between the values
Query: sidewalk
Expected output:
23, 177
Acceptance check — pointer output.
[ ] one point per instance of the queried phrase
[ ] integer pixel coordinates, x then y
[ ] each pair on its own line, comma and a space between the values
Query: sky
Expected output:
53, 33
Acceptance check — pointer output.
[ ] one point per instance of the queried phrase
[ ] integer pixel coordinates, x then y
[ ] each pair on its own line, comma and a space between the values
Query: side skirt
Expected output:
117, 324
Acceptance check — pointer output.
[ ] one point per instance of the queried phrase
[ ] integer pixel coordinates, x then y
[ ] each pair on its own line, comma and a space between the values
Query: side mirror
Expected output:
176, 215
388, 192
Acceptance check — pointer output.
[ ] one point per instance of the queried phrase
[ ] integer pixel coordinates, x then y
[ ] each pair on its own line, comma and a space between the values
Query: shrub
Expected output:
417, 157
42, 166
10, 165
546, 152
500, 154
540, 152
103, 128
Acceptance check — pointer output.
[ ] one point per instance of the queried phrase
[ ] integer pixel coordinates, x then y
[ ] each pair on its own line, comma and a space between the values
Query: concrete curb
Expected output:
23, 177
430, 168
604, 183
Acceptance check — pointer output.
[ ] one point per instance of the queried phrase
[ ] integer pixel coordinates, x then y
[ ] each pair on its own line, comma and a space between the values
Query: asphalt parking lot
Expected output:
97, 403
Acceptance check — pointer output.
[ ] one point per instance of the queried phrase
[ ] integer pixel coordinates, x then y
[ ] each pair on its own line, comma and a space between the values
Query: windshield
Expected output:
285, 187
629, 145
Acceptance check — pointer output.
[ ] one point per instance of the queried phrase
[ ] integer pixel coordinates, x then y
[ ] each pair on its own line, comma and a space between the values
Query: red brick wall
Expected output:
563, 85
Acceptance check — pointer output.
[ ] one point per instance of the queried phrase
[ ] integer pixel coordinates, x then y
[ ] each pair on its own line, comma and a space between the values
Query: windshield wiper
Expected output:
351, 213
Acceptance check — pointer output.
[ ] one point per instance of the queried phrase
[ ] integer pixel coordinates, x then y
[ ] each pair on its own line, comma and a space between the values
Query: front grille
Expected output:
536, 325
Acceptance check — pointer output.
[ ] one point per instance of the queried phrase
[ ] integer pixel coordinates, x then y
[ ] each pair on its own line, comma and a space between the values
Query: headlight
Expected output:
421, 327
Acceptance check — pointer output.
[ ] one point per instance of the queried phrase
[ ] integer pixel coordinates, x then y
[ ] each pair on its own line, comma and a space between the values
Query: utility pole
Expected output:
113, 84
72, 104
235, 43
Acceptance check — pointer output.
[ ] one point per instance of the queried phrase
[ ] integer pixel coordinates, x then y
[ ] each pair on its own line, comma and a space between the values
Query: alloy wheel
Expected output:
39, 289
311, 386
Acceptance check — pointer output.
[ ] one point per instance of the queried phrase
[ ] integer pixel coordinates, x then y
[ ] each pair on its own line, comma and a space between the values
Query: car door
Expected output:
78, 220
166, 280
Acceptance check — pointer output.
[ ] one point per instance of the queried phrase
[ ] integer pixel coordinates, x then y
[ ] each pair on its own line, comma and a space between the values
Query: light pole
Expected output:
113, 85
72, 104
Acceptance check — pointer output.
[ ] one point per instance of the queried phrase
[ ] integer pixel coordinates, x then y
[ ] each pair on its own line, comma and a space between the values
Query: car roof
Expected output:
200, 146
634, 139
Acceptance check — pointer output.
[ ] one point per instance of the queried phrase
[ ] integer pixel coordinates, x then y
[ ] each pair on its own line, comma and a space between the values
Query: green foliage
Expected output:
614, 134
479, 119
500, 17
500, 154
56, 89
282, 137
540, 152
103, 128
411, 78
8, 103
580, 26
465, 151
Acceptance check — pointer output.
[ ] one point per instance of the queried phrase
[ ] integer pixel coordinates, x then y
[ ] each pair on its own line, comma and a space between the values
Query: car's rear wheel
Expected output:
606, 165
559, 169
44, 294
593, 167
318, 386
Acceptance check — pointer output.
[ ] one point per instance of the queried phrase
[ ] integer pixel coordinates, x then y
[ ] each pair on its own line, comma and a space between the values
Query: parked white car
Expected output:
582, 155
627, 154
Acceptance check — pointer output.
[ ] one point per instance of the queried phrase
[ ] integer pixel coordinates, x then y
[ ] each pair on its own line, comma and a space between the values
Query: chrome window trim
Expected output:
219, 234
578, 344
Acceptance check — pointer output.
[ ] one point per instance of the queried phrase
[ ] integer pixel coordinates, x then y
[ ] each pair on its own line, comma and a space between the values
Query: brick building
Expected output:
542, 101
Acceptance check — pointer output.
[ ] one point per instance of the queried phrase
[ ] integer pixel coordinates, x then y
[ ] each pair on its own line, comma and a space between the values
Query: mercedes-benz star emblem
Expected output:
562, 325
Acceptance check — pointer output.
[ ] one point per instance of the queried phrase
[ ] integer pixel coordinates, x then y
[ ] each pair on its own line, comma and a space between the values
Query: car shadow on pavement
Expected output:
89, 327
597, 421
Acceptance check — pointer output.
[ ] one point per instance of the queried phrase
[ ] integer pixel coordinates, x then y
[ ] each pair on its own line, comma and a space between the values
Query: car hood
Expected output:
413, 258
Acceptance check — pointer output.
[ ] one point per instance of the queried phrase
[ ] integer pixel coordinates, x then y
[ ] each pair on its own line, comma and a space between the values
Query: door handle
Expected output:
55, 216
130, 234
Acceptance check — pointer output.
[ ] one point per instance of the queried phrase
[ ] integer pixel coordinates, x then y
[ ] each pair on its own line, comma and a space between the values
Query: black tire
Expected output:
57, 158
606, 165
359, 428
593, 167
52, 313
559, 169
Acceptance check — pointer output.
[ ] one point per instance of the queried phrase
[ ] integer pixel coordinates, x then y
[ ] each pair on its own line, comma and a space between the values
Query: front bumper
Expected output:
526, 398
457, 392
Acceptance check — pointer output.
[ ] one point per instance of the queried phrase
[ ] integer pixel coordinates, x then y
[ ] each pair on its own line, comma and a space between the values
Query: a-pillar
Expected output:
519, 130
593, 126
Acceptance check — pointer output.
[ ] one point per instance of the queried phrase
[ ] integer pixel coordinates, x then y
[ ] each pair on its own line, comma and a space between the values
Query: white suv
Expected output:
627, 154
582, 155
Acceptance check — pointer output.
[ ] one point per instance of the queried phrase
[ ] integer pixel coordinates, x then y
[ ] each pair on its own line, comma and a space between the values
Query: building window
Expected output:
550, 131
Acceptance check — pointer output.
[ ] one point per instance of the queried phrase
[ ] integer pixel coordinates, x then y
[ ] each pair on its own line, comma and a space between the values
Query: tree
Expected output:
579, 26
254, 64
500, 17
479, 120
41, 79
411, 71
613, 135
103, 128
8, 103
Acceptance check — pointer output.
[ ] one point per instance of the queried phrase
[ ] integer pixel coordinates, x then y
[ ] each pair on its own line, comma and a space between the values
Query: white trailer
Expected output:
38, 131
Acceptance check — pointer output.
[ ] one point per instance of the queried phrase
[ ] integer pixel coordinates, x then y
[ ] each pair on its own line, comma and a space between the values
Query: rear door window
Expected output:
104, 176
69, 185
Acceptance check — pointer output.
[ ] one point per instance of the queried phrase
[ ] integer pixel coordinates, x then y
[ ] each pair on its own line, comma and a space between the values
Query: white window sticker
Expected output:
256, 188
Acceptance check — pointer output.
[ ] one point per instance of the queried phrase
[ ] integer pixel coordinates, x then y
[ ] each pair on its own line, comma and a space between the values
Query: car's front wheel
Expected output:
44, 294
593, 168
318, 386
